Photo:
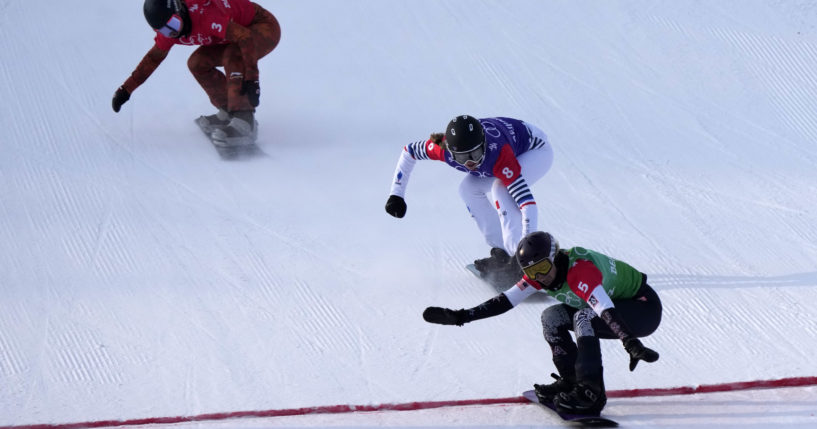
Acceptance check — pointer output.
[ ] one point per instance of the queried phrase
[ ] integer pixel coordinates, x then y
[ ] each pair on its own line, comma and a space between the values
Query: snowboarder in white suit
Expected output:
502, 158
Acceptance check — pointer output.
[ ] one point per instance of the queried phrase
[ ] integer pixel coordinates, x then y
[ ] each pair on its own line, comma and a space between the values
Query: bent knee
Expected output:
199, 63
205, 58
555, 317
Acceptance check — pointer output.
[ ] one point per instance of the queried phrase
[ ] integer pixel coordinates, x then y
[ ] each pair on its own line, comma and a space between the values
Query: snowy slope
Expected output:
144, 276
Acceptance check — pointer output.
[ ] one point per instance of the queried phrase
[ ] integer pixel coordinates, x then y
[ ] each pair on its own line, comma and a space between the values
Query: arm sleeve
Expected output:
530, 217
422, 150
405, 165
146, 67
520, 292
493, 307
242, 36
502, 302
508, 170
616, 323
585, 280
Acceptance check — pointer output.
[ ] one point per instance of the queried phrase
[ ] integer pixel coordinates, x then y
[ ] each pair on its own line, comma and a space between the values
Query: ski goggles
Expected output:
542, 268
172, 28
470, 158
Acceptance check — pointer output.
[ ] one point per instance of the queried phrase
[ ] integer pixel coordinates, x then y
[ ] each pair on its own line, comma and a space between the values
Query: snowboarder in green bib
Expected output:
600, 297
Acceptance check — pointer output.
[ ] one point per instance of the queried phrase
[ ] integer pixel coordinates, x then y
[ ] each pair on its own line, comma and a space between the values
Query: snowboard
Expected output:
580, 419
500, 280
230, 152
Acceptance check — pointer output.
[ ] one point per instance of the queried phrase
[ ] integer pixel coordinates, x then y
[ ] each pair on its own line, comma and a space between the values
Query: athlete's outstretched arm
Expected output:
493, 307
446, 316
421, 150
150, 62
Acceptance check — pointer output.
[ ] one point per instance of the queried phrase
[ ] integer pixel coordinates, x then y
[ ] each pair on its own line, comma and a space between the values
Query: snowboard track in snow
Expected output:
413, 406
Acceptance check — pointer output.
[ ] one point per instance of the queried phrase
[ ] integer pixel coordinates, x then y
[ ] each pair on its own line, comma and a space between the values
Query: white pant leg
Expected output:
475, 192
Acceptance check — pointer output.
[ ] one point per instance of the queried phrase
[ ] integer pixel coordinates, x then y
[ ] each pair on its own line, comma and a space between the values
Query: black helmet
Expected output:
464, 134
159, 12
536, 253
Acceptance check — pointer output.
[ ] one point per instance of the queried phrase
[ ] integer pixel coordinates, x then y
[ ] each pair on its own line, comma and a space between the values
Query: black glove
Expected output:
396, 206
638, 352
252, 90
119, 98
445, 316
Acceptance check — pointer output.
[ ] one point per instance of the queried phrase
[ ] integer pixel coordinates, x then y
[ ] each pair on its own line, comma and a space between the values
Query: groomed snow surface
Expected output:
144, 277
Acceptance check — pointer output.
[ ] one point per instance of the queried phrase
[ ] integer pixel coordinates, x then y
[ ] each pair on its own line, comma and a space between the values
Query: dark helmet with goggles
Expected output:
465, 140
536, 253
168, 17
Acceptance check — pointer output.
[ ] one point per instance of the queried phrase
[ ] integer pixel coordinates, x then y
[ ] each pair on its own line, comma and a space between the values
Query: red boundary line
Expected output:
407, 406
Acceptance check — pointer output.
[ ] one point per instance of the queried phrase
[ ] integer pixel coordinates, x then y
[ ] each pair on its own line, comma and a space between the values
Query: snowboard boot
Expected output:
547, 392
242, 130
583, 399
587, 397
209, 123
512, 270
505, 274
499, 258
